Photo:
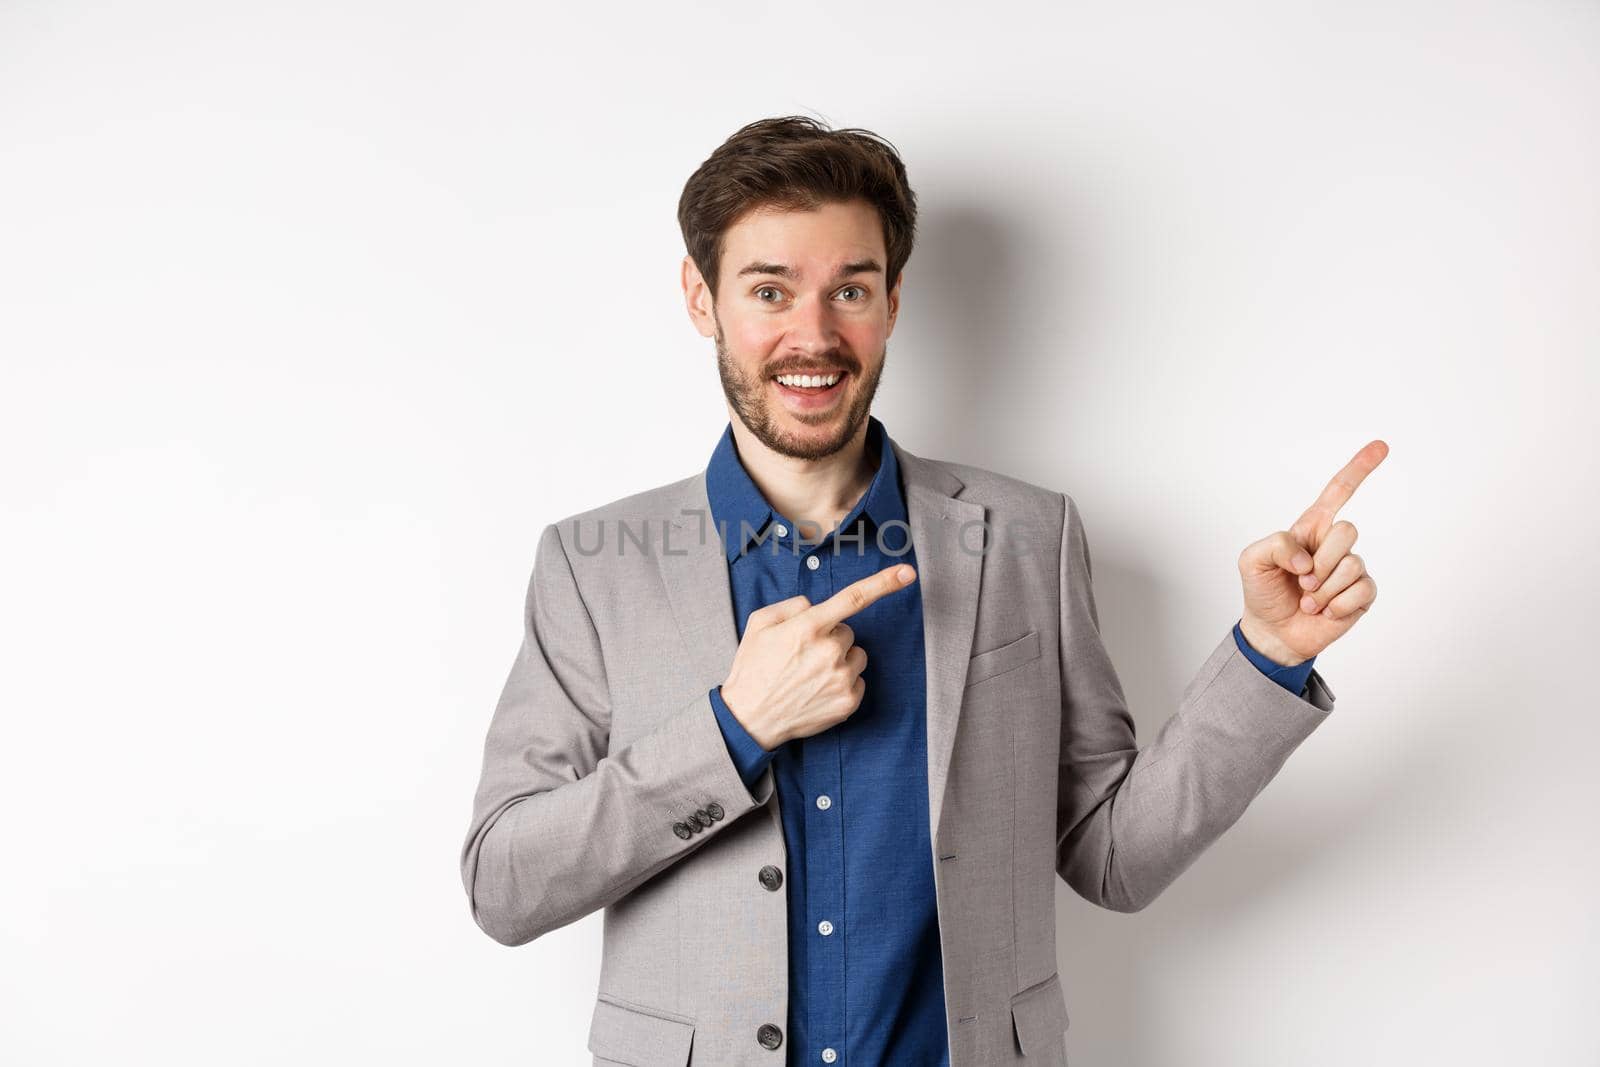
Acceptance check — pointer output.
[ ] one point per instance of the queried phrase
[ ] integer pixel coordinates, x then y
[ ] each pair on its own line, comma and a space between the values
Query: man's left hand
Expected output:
1303, 587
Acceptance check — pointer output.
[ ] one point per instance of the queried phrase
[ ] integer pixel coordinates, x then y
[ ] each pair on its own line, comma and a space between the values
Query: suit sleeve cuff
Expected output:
748, 756
1291, 678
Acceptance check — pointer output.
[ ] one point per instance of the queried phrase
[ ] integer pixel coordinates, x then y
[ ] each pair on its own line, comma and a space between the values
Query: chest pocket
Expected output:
1007, 657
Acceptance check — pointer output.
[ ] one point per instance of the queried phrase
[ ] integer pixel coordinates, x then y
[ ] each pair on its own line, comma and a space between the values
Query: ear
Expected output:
697, 298
894, 302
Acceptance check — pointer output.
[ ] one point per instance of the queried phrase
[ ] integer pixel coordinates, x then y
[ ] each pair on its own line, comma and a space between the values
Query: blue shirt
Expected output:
866, 977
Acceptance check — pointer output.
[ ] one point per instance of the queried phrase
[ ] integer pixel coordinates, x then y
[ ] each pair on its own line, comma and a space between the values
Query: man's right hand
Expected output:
797, 670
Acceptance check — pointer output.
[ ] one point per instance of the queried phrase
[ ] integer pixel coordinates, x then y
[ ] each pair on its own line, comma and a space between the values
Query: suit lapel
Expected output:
694, 571
948, 574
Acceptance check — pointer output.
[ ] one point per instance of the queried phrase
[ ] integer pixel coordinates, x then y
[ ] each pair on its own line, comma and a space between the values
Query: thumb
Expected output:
775, 613
1278, 551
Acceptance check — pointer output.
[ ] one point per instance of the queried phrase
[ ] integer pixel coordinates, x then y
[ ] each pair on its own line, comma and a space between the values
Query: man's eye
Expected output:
859, 289
765, 289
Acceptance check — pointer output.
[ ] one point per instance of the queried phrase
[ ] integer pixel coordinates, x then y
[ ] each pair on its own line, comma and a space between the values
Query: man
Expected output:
874, 682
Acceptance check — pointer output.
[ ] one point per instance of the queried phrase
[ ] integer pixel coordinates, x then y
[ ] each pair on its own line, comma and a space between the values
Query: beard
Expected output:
747, 396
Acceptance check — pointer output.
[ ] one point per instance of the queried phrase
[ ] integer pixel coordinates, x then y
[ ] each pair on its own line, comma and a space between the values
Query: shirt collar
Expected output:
740, 513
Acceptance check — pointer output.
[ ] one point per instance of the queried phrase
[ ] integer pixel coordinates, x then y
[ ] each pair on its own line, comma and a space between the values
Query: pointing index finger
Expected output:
1319, 515
858, 595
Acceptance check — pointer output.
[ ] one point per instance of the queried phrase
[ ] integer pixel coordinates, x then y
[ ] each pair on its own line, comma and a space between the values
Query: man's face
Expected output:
802, 293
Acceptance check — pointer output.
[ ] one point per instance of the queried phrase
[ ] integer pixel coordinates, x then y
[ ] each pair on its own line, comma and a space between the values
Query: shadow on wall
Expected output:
962, 380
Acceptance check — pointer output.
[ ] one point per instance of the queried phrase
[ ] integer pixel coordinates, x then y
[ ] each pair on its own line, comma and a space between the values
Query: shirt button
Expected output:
812, 562
825, 927
824, 802
781, 530
828, 1055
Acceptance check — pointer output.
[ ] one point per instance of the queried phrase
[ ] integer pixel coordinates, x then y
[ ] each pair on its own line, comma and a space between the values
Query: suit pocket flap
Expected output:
639, 1036
995, 661
1039, 1016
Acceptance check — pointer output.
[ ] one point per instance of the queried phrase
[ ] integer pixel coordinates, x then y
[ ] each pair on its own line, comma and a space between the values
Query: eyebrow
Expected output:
860, 266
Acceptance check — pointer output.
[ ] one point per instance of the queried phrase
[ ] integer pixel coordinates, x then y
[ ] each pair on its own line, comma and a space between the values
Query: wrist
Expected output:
746, 718
1269, 646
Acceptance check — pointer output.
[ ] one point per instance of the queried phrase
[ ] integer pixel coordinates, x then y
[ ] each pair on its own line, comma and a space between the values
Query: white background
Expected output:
312, 315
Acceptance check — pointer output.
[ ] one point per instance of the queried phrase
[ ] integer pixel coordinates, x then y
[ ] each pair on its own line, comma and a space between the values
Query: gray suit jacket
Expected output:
604, 750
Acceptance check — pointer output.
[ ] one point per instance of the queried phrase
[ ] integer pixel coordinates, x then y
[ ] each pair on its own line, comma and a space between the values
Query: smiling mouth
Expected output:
819, 382
810, 391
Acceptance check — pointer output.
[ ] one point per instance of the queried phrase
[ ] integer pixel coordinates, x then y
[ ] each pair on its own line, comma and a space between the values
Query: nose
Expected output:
812, 330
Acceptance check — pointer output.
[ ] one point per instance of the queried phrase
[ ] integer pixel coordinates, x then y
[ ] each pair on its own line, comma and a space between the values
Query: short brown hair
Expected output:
795, 163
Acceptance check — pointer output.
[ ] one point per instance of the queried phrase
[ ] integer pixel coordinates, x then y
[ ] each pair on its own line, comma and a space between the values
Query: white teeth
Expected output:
808, 381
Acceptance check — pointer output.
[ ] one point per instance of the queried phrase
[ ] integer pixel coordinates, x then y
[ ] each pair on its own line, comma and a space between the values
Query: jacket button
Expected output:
704, 816
695, 824
769, 1036
714, 810
682, 830
771, 877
